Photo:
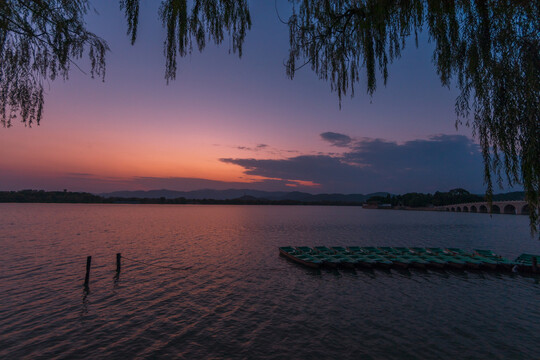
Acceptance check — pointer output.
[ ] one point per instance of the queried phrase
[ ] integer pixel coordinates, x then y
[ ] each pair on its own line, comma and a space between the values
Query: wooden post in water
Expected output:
87, 277
118, 262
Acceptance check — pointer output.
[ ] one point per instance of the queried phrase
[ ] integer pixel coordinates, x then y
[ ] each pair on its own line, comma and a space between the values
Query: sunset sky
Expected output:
229, 122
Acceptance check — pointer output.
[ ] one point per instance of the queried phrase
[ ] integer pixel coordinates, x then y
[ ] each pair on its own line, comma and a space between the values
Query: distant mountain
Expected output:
198, 194
242, 194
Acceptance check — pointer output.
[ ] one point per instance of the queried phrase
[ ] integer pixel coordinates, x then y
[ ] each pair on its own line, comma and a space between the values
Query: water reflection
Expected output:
84, 306
246, 299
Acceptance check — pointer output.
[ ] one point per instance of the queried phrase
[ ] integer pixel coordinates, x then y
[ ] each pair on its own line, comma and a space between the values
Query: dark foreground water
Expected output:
232, 296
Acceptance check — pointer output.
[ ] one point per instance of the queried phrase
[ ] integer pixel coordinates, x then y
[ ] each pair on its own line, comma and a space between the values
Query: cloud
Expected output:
314, 168
76, 174
336, 139
256, 148
102, 184
441, 162
189, 184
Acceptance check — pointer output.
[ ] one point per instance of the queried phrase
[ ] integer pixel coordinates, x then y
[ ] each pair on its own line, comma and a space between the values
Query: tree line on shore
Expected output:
454, 196
41, 196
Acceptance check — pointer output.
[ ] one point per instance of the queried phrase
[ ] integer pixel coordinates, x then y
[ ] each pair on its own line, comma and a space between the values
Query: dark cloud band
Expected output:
336, 139
438, 163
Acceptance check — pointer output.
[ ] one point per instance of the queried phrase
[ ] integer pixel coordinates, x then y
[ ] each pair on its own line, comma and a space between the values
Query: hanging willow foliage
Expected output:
194, 22
41, 40
490, 49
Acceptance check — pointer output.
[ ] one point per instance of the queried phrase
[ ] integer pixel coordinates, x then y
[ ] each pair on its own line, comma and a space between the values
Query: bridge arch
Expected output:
509, 209
500, 207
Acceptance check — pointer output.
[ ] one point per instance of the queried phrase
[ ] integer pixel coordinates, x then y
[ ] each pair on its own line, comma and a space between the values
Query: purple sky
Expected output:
238, 123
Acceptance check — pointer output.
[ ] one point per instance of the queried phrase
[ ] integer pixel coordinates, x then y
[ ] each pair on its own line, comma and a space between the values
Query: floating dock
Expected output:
403, 258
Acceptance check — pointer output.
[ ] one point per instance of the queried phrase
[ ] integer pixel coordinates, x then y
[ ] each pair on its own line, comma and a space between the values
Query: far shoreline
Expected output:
355, 200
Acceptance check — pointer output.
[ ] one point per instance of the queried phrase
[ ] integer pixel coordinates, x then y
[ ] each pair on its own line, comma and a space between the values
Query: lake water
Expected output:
231, 296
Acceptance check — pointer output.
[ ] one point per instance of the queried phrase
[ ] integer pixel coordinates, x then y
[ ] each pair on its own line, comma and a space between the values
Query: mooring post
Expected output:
118, 262
87, 277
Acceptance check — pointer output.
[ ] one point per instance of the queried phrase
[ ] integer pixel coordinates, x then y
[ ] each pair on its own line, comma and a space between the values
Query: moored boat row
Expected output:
299, 257
404, 257
528, 263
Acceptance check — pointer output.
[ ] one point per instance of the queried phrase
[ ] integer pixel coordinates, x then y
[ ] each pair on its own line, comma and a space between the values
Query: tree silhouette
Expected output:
490, 49
206, 20
41, 39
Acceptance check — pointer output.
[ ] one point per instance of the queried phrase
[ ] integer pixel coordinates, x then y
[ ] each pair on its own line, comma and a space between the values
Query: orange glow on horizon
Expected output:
296, 183
47, 150
104, 157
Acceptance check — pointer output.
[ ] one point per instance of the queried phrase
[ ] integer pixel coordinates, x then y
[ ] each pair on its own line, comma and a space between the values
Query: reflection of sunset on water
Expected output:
216, 285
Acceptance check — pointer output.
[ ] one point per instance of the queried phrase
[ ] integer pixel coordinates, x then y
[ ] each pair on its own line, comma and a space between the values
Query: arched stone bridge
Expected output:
498, 207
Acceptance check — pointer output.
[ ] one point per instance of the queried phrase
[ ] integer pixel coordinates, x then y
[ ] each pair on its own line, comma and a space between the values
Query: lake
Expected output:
207, 282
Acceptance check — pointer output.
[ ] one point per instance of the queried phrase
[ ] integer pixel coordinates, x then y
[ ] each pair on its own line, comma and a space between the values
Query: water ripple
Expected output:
236, 298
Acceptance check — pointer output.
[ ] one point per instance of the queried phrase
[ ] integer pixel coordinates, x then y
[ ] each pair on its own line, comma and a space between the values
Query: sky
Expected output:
230, 122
